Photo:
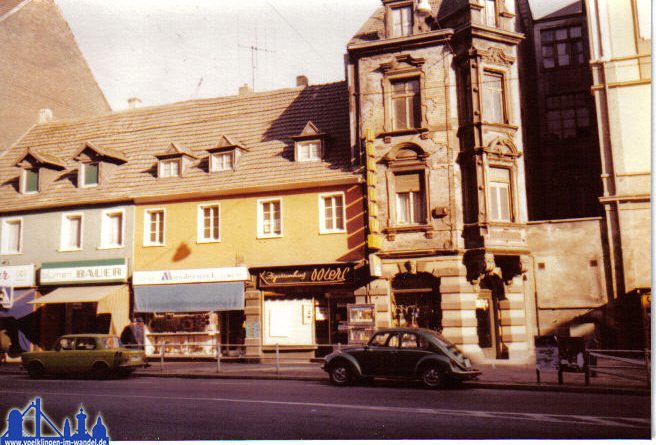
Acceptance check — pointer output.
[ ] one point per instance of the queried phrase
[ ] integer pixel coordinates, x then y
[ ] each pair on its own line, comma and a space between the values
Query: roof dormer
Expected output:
96, 162
35, 168
174, 161
406, 17
225, 155
310, 144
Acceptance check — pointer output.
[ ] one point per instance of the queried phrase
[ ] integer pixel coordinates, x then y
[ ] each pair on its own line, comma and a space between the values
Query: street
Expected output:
146, 408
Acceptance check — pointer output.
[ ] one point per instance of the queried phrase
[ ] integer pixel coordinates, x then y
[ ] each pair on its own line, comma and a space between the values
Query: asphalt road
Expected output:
144, 408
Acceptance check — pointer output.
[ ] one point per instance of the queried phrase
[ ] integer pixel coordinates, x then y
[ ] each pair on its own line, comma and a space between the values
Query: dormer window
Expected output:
36, 167
173, 162
402, 21
223, 161
91, 156
225, 155
490, 12
169, 168
309, 145
30, 181
89, 174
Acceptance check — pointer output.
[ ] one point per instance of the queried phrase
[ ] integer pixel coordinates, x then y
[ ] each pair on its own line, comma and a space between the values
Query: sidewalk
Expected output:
506, 376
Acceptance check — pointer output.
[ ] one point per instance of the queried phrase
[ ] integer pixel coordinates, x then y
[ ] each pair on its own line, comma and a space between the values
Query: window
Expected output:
568, 115
209, 223
493, 97
308, 151
490, 12
410, 208
12, 236
154, 227
30, 180
402, 21
379, 339
406, 104
269, 218
71, 232
562, 47
89, 174
409, 340
169, 168
112, 229
221, 161
331, 213
500, 194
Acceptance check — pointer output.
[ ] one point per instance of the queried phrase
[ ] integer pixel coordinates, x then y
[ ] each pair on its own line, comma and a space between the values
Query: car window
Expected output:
111, 342
393, 341
409, 340
379, 339
64, 344
85, 344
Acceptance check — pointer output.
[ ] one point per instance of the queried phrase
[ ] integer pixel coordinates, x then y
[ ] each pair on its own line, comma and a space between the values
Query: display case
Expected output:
182, 335
361, 322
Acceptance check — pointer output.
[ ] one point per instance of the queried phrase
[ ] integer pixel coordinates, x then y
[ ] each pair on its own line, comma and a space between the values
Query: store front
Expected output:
305, 307
416, 301
18, 326
83, 297
189, 311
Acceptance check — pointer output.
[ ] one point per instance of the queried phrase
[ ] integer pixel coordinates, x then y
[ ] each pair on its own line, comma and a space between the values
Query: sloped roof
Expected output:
264, 122
226, 141
175, 149
44, 158
101, 151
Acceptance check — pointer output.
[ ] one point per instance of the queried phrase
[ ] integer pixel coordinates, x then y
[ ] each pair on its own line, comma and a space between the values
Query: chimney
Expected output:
245, 90
45, 115
301, 81
133, 103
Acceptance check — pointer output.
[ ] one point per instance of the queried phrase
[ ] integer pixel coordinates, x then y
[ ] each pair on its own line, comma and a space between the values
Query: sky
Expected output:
164, 51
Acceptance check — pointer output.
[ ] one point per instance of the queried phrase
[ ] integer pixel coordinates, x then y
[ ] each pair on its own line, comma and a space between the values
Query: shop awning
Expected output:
21, 304
200, 297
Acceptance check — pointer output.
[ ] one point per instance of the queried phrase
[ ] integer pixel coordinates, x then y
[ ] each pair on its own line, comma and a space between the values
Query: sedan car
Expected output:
99, 355
402, 353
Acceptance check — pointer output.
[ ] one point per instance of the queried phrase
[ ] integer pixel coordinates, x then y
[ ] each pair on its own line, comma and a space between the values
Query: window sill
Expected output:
109, 247
11, 253
208, 241
69, 249
408, 228
332, 232
387, 134
260, 236
154, 245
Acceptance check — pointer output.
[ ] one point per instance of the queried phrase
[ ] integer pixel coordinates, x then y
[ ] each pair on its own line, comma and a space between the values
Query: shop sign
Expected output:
74, 272
306, 275
182, 276
17, 276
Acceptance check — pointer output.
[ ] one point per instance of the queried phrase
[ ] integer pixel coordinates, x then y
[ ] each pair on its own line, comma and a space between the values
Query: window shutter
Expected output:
408, 183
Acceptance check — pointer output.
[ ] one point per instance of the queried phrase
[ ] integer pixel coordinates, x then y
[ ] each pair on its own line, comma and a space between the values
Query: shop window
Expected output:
154, 227
209, 223
490, 12
112, 229
89, 174
410, 198
169, 168
500, 194
307, 151
269, 219
493, 97
402, 21
12, 236
405, 104
222, 161
71, 232
331, 213
30, 181
562, 47
568, 116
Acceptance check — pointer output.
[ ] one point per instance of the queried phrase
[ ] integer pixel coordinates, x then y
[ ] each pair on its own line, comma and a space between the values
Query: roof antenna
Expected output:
254, 48
200, 82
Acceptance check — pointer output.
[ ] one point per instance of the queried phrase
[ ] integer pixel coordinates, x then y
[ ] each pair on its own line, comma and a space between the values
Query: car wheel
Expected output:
100, 371
433, 377
341, 374
36, 370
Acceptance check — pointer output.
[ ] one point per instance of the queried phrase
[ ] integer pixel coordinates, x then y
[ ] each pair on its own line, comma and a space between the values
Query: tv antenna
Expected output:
254, 50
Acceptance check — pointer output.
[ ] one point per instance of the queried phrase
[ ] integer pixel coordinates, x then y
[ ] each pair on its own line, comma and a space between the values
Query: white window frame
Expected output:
161, 163
146, 231
23, 181
493, 186
490, 13
214, 164
3, 236
322, 213
260, 218
80, 182
503, 104
301, 144
200, 232
403, 11
63, 246
104, 228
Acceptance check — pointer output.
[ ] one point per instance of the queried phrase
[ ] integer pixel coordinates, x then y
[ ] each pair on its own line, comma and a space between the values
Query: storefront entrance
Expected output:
488, 318
416, 301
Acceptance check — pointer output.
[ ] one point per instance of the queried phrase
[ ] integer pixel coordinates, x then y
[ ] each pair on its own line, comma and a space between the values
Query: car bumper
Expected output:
465, 374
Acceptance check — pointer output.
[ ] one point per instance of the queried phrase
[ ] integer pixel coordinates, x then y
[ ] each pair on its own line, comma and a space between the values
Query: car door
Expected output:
374, 355
411, 350
85, 355
56, 359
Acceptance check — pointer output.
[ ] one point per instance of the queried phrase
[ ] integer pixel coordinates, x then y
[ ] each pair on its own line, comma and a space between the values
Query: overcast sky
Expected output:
165, 51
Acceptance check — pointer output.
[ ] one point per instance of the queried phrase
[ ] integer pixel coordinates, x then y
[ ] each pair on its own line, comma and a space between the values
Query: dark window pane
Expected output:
31, 181
90, 174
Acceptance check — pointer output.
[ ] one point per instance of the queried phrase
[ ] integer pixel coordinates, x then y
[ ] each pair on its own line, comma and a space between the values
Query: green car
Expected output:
99, 355
401, 353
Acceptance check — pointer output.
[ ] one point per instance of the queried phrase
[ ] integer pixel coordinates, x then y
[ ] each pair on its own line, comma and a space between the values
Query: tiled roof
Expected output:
374, 28
102, 151
42, 157
176, 150
263, 122
7, 5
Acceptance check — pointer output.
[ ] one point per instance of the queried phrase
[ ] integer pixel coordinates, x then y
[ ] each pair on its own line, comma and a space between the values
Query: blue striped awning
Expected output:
201, 297
21, 306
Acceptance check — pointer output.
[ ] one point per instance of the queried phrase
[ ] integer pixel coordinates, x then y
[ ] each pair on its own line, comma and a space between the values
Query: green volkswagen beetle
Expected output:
401, 353
98, 355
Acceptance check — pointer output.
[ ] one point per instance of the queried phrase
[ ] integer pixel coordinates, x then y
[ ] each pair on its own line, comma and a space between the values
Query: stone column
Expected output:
459, 314
253, 313
513, 320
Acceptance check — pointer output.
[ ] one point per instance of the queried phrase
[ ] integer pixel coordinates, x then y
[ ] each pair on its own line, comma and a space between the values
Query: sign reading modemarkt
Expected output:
307, 275
74, 272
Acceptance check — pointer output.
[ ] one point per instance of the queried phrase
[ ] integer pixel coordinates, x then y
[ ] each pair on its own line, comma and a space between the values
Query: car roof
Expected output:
86, 335
403, 329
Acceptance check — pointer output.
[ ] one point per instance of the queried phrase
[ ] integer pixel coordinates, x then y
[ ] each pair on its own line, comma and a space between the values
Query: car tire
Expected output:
100, 371
433, 377
36, 370
341, 373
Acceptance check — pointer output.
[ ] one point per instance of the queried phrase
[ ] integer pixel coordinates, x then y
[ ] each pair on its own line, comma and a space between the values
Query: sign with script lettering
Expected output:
17, 276
307, 276
74, 272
